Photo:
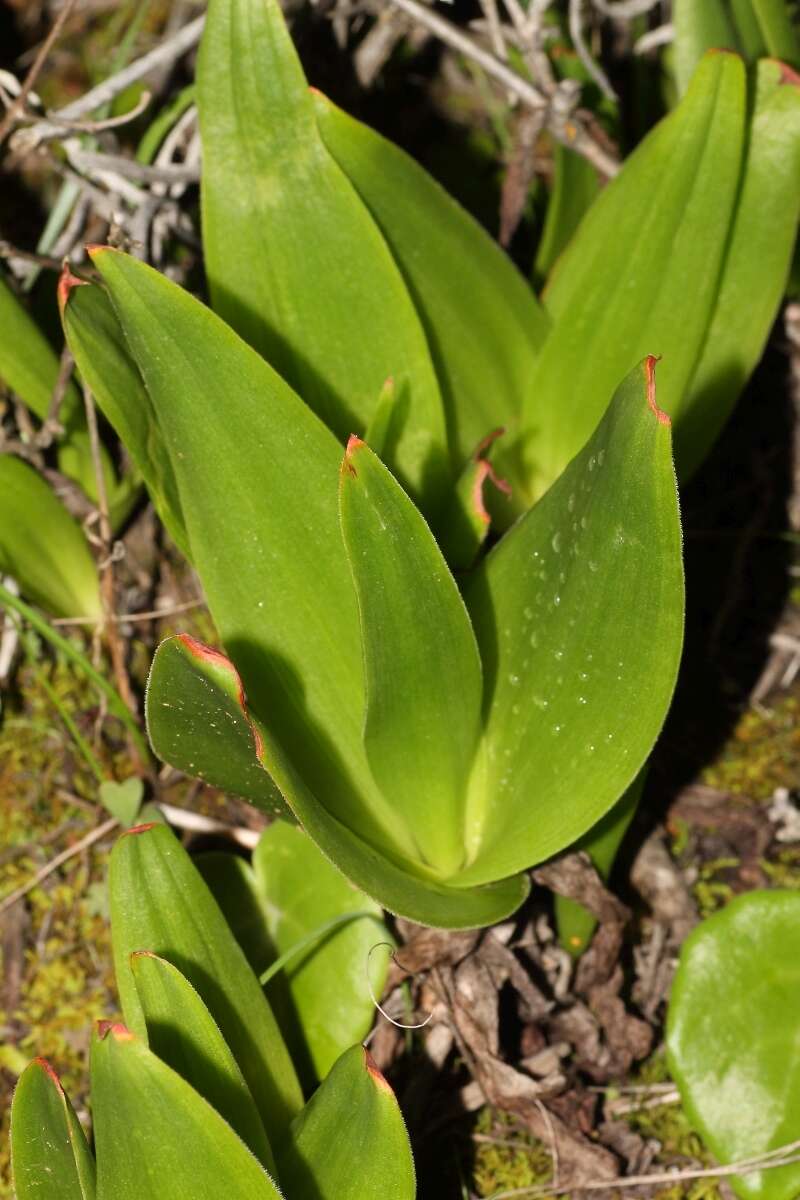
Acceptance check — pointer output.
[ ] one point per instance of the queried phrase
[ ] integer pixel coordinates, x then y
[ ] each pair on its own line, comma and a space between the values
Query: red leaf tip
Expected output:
650, 374
375, 1073
214, 658
136, 829
95, 248
118, 1031
45, 1066
788, 74
353, 443
67, 281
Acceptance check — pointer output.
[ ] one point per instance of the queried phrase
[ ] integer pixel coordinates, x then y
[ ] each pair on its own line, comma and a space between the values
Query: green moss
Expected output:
667, 1124
762, 753
507, 1157
783, 870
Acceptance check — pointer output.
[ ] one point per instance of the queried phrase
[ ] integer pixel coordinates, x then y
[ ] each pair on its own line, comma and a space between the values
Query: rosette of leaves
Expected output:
434, 741
196, 1094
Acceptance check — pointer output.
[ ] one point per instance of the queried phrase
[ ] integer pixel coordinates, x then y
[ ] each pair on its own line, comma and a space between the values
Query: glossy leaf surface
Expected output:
301, 892
97, 342
156, 1138
160, 903
205, 730
578, 604
264, 532
184, 1035
733, 1031
483, 323
295, 262
757, 263
395, 886
422, 668
50, 1156
619, 290
42, 546
350, 1141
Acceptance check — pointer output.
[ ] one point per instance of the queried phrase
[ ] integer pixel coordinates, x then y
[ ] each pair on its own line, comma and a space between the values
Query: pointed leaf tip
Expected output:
214, 658
118, 1031
376, 1074
67, 281
47, 1067
650, 374
136, 829
788, 74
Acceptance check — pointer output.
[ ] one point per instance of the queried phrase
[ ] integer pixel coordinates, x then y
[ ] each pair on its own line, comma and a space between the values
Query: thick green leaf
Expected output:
205, 731
777, 28
156, 1138
301, 892
757, 263
349, 1142
399, 887
483, 323
575, 924
700, 27
579, 616
264, 531
184, 1035
42, 546
98, 345
295, 262
733, 1032
422, 668
620, 291
160, 903
50, 1156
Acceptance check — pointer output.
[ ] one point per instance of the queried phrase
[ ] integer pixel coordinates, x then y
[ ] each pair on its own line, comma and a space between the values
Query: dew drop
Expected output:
515, 709
590, 748
528, 613
556, 600
601, 457
593, 565
540, 702
558, 655
556, 542
592, 461
581, 699
534, 640
582, 675
571, 501
514, 680
609, 737
557, 728
584, 522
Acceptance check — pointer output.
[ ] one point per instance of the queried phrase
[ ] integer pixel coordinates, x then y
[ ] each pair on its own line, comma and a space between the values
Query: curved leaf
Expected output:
295, 262
483, 322
184, 1035
733, 1031
757, 263
50, 1156
98, 345
350, 1141
156, 1138
396, 885
300, 892
160, 903
42, 546
264, 532
619, 291
422, 668
577, 606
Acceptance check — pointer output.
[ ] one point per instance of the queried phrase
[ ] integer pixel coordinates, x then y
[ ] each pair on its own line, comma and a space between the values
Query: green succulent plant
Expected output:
435, 733
197, 1094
